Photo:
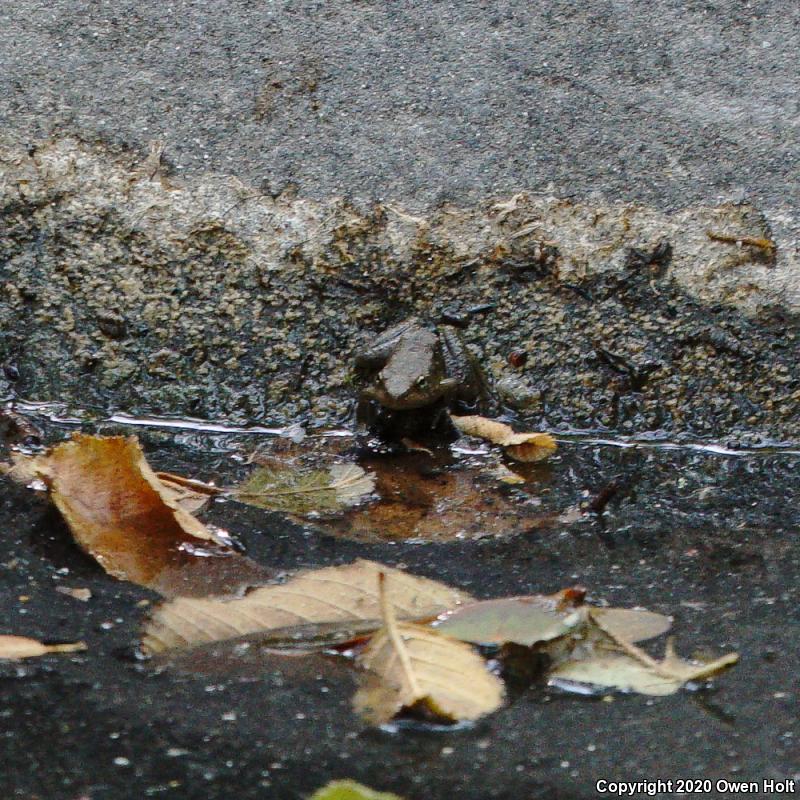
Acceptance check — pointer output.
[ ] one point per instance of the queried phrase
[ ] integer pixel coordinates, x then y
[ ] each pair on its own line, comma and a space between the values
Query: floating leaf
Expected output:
415, 667
631, 624
331, 594
622, 672
350, 790
121, 514
612, 672
688, 671
518, 620
526, 447
282, 487
16, 647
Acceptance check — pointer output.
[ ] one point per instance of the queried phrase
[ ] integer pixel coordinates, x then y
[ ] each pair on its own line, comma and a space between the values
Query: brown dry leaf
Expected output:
104, 481
527, 447
415, 667
121, 514
15, 647
23, 469
331, 594
503, 474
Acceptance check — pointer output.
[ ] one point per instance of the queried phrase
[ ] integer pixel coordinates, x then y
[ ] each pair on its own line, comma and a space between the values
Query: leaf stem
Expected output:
393, 632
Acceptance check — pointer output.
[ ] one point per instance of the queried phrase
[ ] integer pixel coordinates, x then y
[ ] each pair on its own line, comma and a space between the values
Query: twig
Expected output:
761, 243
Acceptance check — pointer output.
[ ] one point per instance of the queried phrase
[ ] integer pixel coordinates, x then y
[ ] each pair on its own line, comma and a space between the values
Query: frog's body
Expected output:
414, 366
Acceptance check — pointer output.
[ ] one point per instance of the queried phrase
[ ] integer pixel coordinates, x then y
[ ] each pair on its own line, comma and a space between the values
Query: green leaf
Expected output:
350, 790
282, 487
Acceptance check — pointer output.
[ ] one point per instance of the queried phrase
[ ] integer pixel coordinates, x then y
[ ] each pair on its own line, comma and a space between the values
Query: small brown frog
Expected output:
415, 366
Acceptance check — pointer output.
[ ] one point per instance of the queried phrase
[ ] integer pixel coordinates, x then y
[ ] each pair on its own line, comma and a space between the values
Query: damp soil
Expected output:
705, 533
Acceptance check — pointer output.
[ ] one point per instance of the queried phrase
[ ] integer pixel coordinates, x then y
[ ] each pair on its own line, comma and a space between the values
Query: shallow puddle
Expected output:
469, 491
702, 531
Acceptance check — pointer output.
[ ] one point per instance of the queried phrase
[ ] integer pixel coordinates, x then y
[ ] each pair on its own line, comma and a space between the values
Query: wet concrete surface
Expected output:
668, 103
708, 538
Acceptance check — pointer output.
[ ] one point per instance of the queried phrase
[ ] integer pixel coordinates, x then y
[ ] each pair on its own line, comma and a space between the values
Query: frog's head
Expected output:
414, 377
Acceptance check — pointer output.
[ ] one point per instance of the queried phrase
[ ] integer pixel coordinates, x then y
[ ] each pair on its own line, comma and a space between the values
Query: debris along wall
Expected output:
124, 289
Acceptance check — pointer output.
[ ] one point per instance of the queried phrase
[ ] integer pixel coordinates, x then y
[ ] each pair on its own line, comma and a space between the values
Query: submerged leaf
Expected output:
527, 447
331, 594
15, 647
435, 498
282, 487
415, 667
350, 790
122, 514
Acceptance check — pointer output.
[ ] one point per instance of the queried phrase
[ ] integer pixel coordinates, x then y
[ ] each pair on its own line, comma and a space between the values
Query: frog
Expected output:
415, 366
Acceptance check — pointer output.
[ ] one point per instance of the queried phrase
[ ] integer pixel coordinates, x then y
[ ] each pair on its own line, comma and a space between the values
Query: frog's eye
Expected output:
422, 382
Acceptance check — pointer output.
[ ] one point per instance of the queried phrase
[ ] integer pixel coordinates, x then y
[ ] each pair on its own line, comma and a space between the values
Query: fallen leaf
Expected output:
503, 474
331, 594
287, 488
611, 672
622, 672
84, 595
16, 647
121, 514
525, 447
350, 790
631, 624
22, 469
413, 666
518, 620
97, 480
192, 496
308, 637
435, 500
